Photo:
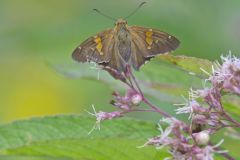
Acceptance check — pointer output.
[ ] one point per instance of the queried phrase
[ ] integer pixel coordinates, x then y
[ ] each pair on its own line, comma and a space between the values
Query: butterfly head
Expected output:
121, 22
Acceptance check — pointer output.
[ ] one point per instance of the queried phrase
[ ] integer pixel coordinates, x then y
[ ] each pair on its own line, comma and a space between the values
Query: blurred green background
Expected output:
34, 34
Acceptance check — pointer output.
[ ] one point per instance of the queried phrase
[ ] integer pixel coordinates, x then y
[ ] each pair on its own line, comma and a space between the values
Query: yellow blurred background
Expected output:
34, 34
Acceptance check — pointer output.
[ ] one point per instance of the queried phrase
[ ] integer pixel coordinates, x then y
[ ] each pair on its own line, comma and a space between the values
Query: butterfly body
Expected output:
125, 45
122, 39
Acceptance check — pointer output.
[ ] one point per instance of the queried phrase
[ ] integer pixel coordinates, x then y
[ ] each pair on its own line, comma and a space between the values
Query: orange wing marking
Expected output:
99, 46
149, 39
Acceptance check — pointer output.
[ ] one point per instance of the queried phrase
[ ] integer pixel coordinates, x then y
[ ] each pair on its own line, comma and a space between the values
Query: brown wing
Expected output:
97, 48
146, 43
102, 49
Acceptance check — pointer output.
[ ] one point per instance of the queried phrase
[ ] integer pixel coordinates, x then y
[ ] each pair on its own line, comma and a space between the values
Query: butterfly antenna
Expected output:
104, 15
140, 5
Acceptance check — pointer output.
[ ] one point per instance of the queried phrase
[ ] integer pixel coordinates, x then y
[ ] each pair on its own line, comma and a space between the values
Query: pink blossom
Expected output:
101, 116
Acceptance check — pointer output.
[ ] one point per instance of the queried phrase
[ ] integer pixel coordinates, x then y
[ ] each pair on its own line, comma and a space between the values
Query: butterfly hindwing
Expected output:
137, 57
96, 48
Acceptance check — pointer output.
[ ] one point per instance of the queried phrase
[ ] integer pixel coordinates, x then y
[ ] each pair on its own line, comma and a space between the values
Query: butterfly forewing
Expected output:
146, 43
161, 42
96, 48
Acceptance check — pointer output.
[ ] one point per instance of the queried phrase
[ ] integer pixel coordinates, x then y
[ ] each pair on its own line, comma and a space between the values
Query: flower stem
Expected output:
146, 101
133, 80
140, 110
229, 118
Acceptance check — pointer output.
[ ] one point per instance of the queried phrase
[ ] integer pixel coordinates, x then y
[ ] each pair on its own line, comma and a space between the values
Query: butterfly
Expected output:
125, 45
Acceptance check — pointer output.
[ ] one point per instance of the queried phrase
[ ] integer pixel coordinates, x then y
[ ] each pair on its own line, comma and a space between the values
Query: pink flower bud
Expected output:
202, 138
136, 99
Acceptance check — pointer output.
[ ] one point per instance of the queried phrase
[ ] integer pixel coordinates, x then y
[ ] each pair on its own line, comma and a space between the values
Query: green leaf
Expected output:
189, 64
230, 143
9, 157
101, 149
83, 70
67, 137
167, 78
164, 82
231, 104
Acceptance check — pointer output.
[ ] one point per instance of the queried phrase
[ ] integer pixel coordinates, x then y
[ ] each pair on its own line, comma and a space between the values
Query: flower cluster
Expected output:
207, 116
100, 116
128, 101
206, 113
182, 146
210, 114
227, 75
125, 104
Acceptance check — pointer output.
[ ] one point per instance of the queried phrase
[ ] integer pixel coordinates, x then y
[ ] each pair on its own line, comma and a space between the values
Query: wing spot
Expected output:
99, 46
79, 48
169, 37
149, 39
